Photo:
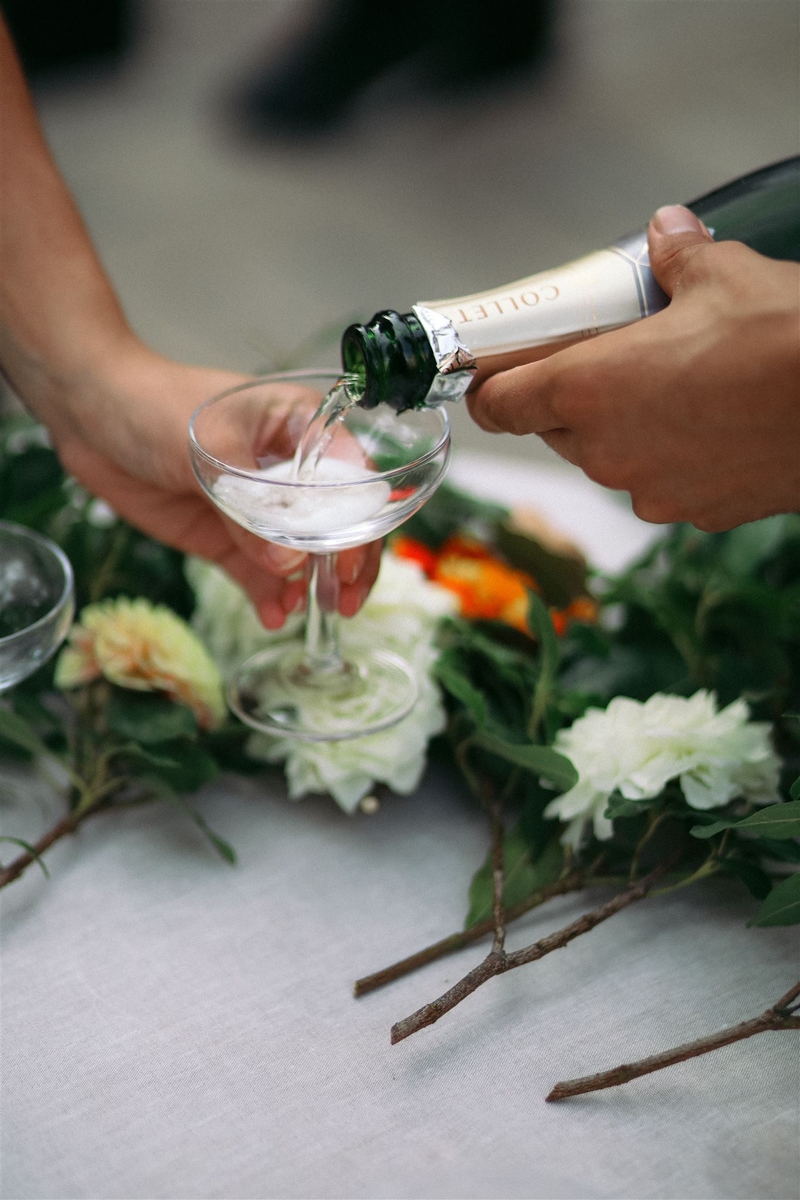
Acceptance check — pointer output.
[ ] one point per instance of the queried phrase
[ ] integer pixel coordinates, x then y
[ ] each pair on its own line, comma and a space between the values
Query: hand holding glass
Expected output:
376, 470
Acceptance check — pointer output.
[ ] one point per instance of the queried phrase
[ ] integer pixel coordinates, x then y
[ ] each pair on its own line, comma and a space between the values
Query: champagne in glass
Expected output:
368, 470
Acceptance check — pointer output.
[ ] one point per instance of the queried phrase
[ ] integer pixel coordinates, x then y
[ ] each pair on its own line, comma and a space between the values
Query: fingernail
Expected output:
271, 615
674, 218
351, 600
354, 565
283, 558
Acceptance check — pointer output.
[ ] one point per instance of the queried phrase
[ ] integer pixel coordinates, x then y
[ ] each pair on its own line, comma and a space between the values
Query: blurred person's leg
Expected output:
54, 34
462, 44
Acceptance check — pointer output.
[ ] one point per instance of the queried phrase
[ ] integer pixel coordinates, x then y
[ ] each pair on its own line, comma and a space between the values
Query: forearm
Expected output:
59, 316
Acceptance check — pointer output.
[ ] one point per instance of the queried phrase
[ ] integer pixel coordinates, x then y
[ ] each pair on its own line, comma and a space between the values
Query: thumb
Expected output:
673, 236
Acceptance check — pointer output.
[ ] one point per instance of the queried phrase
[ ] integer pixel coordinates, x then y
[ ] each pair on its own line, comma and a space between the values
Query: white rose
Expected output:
636, 749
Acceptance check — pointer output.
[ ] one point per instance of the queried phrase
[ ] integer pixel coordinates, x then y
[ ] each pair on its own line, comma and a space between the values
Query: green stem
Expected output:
710, 867
653, 823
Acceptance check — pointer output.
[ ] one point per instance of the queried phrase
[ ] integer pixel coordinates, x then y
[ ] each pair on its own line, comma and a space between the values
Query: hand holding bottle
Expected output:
695, 411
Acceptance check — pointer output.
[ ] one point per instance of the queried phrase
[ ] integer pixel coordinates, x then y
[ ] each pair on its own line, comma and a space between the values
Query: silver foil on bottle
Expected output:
634, 250
455, 362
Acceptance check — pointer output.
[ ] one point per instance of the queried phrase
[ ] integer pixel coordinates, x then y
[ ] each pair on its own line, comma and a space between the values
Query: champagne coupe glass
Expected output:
36, 601
375, 470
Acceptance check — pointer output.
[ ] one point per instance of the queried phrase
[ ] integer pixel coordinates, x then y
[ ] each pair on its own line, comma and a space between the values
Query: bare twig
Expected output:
572, 882
498, 964
782, 1015
498, 878
66, 825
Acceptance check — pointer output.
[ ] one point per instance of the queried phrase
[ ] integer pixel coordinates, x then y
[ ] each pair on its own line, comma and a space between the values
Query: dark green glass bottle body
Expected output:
432, 353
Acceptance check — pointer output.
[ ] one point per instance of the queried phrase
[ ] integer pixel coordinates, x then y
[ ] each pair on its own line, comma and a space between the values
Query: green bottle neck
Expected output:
761, 209
392, 358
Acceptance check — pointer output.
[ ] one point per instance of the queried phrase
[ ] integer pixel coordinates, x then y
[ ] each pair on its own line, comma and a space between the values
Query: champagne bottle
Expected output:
434, 352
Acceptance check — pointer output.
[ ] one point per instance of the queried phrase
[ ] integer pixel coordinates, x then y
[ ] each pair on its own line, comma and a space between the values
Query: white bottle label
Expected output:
602, 291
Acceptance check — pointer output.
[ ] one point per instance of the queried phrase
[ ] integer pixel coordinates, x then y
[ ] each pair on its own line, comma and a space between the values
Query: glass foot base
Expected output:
277, 693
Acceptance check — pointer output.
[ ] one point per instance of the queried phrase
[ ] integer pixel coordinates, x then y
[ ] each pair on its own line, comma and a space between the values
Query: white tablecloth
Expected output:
175, 1027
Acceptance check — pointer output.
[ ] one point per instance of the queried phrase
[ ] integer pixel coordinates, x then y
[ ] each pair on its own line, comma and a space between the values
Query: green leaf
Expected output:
755, 880
782, 905
133, 750
34, 853
561, 576
523, 874
17, 730
787, 850
162, 790
185, 766
747, 546
794, 790
541, 627
775, 821
457, 684
708, 831
541, 760
146, 717
618, 806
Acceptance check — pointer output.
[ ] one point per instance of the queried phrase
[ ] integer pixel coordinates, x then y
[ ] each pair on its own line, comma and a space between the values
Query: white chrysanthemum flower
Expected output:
401, 613
636, 748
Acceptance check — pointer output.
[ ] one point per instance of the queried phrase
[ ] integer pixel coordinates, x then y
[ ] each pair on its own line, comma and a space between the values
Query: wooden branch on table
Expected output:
498, 878
66, 825
498, 964
781, 1015
571, 882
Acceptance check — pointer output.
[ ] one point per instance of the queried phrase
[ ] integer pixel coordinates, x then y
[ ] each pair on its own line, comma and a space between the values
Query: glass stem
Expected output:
322, 652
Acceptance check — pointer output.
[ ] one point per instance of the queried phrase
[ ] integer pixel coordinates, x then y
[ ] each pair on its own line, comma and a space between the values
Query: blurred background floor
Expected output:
239, 253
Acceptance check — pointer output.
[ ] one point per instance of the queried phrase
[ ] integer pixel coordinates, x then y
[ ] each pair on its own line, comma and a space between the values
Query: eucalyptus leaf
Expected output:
782, 905
794, 790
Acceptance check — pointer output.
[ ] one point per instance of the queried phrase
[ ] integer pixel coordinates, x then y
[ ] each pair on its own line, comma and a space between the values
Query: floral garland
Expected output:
639, 733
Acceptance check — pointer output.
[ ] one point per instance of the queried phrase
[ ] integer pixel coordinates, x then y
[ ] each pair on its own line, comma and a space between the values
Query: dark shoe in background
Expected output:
56, 35
458, 45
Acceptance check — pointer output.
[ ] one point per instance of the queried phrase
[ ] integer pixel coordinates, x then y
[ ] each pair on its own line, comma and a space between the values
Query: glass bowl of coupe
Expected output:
36, 601
295, 460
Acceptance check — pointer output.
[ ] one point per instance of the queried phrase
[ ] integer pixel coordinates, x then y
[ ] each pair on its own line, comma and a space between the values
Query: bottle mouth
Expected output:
392, 358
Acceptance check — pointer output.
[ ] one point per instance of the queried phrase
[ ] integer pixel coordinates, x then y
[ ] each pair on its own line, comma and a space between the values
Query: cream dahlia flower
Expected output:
636, 748
143, 646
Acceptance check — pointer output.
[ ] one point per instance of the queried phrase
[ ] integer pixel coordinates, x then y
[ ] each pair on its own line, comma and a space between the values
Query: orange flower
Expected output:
418, 552
485, 586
